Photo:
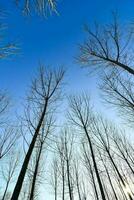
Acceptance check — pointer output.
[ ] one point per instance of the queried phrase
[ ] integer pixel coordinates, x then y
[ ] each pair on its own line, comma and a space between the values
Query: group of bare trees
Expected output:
87, 157
93, 159
36, 126
99, 165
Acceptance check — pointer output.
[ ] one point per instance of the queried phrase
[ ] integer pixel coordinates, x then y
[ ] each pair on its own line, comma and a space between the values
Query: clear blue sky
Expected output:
54, 41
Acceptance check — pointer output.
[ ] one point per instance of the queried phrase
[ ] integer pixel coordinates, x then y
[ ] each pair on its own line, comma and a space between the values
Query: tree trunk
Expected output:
35, 174
5, 191
20, 180
95, 165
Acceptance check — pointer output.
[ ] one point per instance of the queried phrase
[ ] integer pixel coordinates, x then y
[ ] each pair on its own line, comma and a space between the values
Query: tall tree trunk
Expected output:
122, 181
77, 182
69, 182
35, 174
63, 181
5, 190
95, 165
92, 175
20, 180
109, 178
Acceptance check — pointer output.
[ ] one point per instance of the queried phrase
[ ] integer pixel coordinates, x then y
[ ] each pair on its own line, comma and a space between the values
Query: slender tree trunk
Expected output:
95, 165
122, 191
35, 174
78, 184
63, 182
55, 193
55, 184
92, 175
3, 198
109, 178
116, 169
69, 182
105, 189
110, 181
126, 160
20, 180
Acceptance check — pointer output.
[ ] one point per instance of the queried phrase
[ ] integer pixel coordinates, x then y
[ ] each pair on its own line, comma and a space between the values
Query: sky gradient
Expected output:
54, 41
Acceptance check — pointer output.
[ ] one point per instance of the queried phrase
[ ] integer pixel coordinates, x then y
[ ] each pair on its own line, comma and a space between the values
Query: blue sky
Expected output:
54, 41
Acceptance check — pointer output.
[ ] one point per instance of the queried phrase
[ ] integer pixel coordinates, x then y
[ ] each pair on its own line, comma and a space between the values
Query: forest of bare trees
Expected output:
85, 156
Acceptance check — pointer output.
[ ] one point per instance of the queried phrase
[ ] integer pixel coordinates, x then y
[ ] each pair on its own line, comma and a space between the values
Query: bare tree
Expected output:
36, 174
103, 131
65, 154
121, 145
41, 7
6, 48
108, 46
40, 149
68, 153
108, 175
77, 178
46, 90
9, 170
80, 116
62, 169
55, 176
89, 166
118, 91
8, 138
8, 134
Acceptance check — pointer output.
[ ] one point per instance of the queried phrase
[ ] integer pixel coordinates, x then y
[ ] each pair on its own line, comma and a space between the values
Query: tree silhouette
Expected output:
45, 92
